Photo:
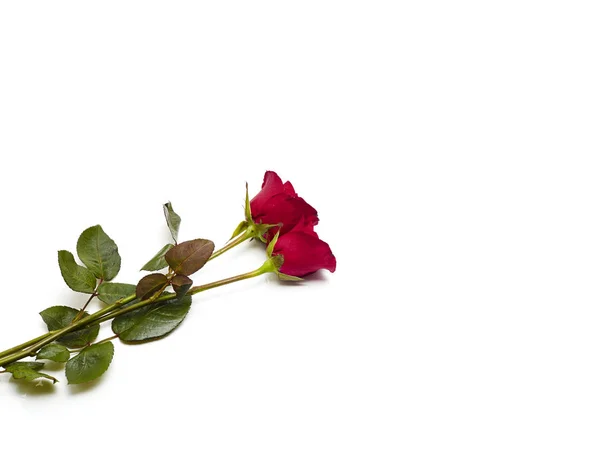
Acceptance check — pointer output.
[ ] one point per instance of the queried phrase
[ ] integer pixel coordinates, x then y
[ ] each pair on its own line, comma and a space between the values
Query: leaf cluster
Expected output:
142, 312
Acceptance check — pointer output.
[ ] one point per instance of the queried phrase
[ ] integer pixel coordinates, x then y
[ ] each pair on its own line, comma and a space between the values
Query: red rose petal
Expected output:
289, 189
278, 203
287, 211
304, 254
271, 186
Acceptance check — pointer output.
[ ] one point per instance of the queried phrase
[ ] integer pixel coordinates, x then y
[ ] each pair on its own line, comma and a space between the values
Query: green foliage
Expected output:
28, 371
188, 257
99, 253
78, 278
110, 292
33, 365
150, 284
54, 352
158, 262
152, 321
173, 220
90, 363
59, 317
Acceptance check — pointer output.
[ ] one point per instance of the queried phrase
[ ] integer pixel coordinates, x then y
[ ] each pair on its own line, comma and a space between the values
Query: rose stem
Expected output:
101, 317
233, 243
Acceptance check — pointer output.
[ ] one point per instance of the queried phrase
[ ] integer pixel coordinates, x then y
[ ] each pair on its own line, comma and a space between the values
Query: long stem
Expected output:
233, 243
25, 345
112, 337
54, 336
33, 345
236, 241
192, 291
102, 315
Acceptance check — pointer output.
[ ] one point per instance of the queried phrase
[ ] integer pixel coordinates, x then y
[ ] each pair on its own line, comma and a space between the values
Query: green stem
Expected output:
25, 345
112, 337
54, 336
233, 243
192, 291
140, 304
82, 311
110, 312
231, 280
30, 347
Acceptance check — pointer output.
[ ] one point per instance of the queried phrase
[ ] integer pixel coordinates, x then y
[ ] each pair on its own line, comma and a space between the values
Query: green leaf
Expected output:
54, 352
33, 365
111, 292
90, 363
78, 278
188, 257
150, 284
59, 317
181, 284
173, 220
99, 253
26, 371
158, 262
153, 321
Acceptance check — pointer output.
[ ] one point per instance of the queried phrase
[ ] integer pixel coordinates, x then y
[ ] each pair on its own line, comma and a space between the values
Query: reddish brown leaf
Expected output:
188, 257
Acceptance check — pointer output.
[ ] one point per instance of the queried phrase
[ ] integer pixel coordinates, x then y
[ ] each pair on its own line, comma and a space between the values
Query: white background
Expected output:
451, 149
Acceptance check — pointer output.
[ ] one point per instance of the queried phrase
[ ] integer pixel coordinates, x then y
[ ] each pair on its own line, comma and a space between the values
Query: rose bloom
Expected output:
302, 250
279, 203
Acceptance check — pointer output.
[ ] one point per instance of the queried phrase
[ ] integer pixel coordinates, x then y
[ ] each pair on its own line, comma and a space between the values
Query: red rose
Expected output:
279, 203
303, 252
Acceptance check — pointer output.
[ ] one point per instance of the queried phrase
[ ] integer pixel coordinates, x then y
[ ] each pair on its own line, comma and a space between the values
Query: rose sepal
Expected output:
249, 226
276, 262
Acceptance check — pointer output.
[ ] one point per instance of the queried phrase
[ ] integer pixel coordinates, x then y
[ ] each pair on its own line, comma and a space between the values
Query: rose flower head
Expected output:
303, 252
278, 203
285, 222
